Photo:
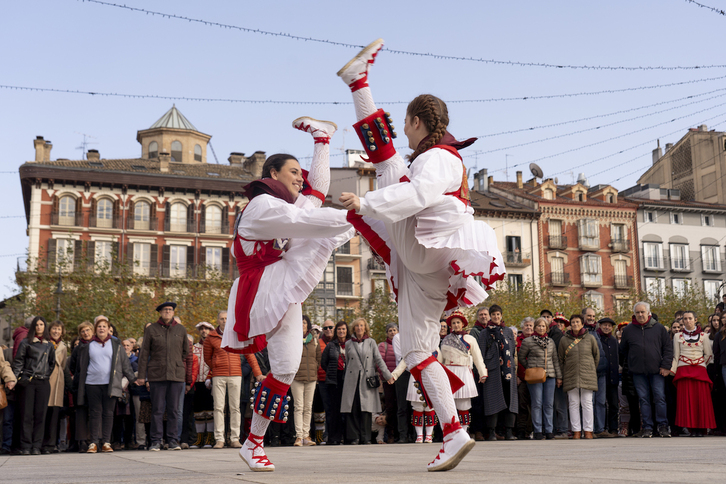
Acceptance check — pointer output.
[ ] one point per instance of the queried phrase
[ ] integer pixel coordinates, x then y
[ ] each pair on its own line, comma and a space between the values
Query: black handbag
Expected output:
371, 381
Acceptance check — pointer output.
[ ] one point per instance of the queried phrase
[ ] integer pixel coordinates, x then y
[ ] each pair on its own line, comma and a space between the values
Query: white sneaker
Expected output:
316, 127
454, 448
253, 453
357, 68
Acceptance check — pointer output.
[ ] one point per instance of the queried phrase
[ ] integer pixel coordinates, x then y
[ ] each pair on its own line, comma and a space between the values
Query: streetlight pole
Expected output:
59, 293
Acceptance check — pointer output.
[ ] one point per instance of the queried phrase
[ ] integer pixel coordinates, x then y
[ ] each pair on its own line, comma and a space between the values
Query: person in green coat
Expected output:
579, 356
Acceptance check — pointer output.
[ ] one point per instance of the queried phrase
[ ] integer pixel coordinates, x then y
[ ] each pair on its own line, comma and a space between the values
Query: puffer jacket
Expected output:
386, 351
610, 353
532, 355
34, 359
120, 367
329, 362
579, 364
219, 361
310, 362
648, 348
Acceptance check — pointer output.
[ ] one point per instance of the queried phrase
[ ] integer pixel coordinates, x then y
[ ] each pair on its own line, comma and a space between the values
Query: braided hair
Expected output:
432, 112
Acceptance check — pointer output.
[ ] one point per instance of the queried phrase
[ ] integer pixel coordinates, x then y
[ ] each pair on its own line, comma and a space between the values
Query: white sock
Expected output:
319, 176
200, 426
363, 102
438, 389
419, 431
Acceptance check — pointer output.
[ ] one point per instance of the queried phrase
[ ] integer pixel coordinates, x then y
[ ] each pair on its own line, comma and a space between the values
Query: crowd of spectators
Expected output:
550, 377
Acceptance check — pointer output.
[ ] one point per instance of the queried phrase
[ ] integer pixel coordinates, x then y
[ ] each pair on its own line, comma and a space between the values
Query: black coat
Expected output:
34, 359
719, 350
610, 351
494, 398
329, 362
647, 348
602, 365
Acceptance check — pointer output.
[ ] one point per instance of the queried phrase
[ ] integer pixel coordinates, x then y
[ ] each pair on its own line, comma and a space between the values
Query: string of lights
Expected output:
715, 10
597, 116
272, 101
594, 128
403, 52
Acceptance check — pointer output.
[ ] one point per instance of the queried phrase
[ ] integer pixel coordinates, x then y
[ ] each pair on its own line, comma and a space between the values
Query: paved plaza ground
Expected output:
675, 460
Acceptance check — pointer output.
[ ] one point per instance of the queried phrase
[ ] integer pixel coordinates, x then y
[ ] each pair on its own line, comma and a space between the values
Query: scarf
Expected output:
480, 325
307, 339
600, 332
101, 341
56, 342
460, 333
497, 337
365, 337
167, 325
219, 331
580, 334
325, 339
542, 341
635, 321
692, 336
341, 355
82, 341
449, 140
590, 327
268, 186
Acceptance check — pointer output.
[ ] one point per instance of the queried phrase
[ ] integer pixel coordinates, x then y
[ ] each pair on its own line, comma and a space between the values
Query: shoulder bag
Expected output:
536, 375
371, 381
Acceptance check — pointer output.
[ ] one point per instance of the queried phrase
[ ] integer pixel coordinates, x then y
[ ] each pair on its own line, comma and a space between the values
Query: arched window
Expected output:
67, 211
141, 215
153, 150
104, 213
197, 153
178, 220
176, 151
213, 220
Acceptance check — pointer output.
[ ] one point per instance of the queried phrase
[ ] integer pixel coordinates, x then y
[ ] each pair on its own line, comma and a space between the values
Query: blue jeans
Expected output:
8, 418
542, 396
600, 403
180, 418
644, 384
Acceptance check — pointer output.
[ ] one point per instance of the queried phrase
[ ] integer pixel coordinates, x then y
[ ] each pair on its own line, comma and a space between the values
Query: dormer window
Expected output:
580, 197
548, 194
611, 198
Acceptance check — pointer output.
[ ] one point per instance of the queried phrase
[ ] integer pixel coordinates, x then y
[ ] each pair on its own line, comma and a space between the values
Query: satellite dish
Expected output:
556, 181
536, 170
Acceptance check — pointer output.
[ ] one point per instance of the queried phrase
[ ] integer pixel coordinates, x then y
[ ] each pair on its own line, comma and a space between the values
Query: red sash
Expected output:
463, 192
251, 268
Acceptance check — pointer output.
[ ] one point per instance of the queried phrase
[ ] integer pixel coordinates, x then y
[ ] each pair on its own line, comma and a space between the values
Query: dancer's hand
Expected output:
350, 201
482, 379
260, 378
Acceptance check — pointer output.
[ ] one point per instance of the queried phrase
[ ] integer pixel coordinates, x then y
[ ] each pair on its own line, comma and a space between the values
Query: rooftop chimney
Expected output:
254, 163
519, 180
657, 153
236, 158
93, 155
42, 149
668, 147
490, 181
164, 159
703, 128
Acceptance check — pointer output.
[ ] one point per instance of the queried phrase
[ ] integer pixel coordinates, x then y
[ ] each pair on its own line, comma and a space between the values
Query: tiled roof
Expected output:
512, 188
487, 201
678, 203
173, 119
141, 166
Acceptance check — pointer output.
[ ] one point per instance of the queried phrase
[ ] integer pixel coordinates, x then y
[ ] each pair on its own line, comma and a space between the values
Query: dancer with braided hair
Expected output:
421, 223
282, 243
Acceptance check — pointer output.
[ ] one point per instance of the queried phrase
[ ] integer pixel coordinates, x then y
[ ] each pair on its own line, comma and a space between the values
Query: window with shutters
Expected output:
213, 220
680, 261
104, 213
655, 287
197, 153
619, 238
591, 270
596, 300
680, 286
67, 211
142, 259
710, 258
344, 281
103, 254
620, 268
588, 231
653, 254
515, 281
178, 218
711, 289
176, 151
178, 261
142, 211
213, 259
64, 254
558, 276
556, 240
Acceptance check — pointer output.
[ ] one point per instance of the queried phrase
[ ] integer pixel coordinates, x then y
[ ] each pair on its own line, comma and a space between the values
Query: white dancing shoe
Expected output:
316, 127
357, 68
253, 453
455, 447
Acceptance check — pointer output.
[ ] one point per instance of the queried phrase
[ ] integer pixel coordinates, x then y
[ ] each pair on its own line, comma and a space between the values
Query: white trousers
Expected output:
284, 343
303, 394
231, 385
580, 398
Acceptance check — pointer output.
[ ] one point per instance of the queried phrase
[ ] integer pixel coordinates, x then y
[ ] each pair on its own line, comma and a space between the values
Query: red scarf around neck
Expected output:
365, 337
99, 340
635, 321
166, 325
579, 334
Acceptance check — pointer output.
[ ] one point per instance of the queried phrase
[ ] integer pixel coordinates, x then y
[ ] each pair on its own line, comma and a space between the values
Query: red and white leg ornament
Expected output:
269, 401
456, 445
418, 422
376, 133
317, 180
430, 422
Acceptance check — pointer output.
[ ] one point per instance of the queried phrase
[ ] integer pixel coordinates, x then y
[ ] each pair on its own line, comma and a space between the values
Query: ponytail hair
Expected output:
275, 162
433, 113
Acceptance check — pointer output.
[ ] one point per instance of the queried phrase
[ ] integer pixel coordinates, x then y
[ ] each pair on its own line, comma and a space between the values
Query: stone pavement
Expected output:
676, 460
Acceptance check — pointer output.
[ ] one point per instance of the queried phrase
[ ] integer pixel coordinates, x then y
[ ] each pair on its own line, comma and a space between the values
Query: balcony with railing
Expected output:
588, 242
66, 219
151, 223
681, 264
559, 279
517, 259
557, 242
207, 227
623, 282
655, 263
105, 223
711, 266
590, 279
375, 266
620, 245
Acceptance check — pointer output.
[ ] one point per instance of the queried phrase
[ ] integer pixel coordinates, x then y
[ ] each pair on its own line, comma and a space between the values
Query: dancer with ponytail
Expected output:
421, 223
282, 243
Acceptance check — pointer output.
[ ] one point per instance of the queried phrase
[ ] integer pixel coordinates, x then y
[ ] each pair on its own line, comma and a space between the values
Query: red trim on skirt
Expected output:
694, 408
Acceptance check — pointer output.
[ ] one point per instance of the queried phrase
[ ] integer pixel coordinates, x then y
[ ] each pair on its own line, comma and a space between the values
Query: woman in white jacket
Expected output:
282, 244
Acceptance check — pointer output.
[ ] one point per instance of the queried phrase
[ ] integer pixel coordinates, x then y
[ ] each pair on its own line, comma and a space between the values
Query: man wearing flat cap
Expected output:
161, 364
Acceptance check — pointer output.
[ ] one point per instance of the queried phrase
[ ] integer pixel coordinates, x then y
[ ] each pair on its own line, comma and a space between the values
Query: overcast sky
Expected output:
86, 46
